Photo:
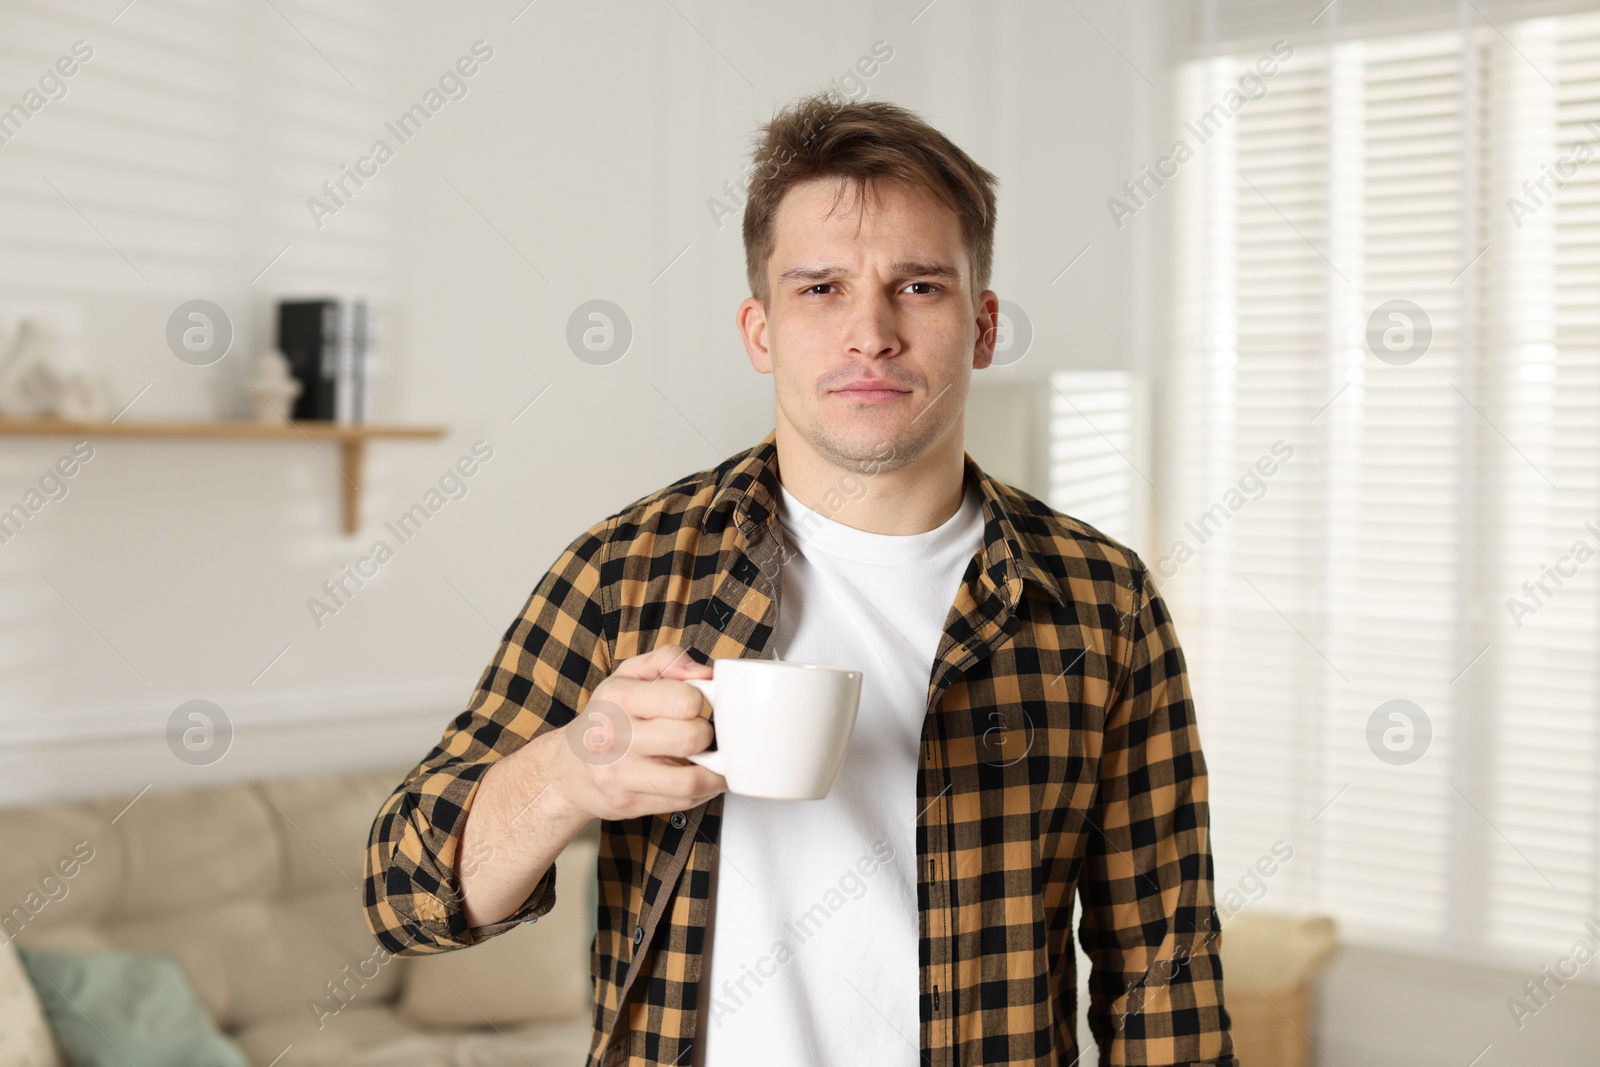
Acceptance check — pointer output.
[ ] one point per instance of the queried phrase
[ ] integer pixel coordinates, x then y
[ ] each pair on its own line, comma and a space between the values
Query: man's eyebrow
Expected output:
903, 269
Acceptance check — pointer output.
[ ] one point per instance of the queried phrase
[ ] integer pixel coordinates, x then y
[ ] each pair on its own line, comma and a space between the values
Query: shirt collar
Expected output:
749, 483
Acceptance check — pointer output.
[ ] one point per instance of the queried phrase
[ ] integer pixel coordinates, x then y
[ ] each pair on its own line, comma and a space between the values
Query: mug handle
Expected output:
711, 761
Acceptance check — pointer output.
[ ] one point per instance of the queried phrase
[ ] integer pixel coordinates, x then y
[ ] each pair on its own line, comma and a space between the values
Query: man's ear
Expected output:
751, 320
988, 318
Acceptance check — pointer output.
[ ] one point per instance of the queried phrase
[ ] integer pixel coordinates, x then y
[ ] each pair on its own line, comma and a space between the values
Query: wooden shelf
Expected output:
352, 440
317, 431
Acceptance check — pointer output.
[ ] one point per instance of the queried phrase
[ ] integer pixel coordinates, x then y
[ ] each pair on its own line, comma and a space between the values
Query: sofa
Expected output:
255, 888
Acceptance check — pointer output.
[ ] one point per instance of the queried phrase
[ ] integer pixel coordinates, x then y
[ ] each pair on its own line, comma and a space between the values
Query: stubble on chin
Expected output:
868, 452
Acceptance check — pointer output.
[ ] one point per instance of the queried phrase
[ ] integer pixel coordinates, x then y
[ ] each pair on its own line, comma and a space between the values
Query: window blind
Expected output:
181, 155
1234, 26
1545, 760
1094, 455
1384, 417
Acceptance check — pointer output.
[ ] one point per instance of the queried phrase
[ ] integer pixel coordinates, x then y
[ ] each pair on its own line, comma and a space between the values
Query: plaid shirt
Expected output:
1060, 756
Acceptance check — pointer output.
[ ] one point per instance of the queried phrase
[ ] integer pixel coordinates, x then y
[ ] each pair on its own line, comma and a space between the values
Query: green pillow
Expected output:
110, 1009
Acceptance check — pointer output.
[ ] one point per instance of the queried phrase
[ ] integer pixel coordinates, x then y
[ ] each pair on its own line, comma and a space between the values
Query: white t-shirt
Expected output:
812, 955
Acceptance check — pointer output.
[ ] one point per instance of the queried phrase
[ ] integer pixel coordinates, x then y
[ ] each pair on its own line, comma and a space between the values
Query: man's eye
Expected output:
929, 285
819, 285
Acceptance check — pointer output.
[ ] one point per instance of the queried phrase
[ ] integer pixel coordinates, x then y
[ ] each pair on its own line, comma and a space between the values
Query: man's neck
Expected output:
912, 499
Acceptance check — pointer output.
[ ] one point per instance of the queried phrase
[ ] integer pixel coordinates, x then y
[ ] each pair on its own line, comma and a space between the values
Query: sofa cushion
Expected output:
337, 920
1269, 952
529, 973
111, 1009
24, 1033
68, 939
257, 959
61, 867
324, 822
190, 849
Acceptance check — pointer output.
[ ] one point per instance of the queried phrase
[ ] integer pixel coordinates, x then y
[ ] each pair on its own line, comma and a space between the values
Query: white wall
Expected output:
1389, 1009
177, 167
578, 166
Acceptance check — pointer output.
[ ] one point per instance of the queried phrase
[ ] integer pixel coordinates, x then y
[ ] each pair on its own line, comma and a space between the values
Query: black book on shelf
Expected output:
328, 345
308, 334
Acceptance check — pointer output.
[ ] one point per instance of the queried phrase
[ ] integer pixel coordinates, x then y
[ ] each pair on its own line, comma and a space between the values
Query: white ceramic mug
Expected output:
782, 728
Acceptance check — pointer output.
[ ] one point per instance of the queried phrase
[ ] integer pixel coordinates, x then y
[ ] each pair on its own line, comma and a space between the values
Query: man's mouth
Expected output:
872, 391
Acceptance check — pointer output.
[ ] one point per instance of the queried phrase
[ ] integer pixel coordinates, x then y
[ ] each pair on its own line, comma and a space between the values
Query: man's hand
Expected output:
623, 756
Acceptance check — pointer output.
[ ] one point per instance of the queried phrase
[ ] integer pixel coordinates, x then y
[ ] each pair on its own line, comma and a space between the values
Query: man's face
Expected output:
875, 295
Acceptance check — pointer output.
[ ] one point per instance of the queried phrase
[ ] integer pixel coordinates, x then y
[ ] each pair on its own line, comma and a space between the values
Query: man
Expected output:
1025, 730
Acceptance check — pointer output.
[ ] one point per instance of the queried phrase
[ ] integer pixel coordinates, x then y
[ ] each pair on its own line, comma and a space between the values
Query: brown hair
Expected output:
864, 143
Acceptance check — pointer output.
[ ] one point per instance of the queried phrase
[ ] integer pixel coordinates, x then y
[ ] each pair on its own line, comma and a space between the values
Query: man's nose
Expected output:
874, 327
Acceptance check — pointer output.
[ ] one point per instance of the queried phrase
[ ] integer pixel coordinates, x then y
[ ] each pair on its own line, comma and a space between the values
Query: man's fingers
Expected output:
686, 666
665, 698
689, 784
677, 738
672, 660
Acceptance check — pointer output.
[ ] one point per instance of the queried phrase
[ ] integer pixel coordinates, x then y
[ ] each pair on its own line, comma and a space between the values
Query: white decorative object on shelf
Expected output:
273, 390
83, 397
29, 381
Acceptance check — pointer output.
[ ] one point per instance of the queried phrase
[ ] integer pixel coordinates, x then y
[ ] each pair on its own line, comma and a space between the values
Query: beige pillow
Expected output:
1276, 952
534, 972
24, 1035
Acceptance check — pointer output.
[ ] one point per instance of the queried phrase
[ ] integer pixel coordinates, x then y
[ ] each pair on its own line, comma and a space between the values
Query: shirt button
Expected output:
638, 935
679, 820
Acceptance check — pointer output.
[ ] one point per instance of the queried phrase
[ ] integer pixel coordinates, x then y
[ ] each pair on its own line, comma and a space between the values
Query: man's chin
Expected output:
869, 447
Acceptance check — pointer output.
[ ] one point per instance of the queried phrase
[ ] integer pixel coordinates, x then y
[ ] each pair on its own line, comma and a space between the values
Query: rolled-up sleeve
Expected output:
1149, 923
550, 660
